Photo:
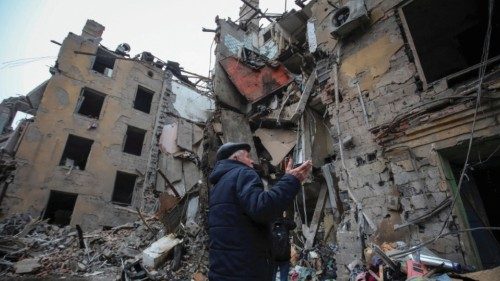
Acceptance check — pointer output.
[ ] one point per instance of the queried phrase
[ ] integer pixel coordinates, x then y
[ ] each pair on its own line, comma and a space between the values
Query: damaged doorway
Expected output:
479, 194
60, 207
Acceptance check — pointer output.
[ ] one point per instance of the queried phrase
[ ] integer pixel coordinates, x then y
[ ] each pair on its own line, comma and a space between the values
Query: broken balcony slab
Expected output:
190, 104
168, 139
278, 142
185, 135
253, 83
180, 135
157, 253
279, 115
35, 96
294, 23
305, 96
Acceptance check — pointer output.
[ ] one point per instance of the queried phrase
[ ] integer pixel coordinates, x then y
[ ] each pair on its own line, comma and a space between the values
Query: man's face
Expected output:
245, 159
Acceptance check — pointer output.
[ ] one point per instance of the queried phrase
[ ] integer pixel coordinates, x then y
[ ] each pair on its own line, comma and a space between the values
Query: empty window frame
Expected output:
90, 103
76, 152
446, 36
60, 207
134, 138
267, 36
104, 62
143, 99
124, 188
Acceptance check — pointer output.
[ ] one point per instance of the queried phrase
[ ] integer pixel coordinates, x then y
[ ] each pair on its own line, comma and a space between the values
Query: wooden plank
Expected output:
313, 228
305, 96
412, 47
326, 169
303, 149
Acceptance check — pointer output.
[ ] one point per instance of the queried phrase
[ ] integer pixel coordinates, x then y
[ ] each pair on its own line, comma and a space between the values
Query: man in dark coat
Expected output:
241, 213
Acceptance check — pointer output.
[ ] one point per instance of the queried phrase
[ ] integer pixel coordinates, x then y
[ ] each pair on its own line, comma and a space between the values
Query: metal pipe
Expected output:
362, 104
436, 261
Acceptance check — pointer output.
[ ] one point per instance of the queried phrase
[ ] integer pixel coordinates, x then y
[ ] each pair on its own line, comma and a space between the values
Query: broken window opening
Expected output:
76, 152
124, 188
60, 207
447, 36
134, 138
90, 103
267, 36
479, 194
143, 99
104, 62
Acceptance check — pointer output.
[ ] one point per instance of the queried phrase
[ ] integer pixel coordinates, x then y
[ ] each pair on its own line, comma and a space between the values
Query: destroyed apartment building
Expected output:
90, 156
390, 99
397, 103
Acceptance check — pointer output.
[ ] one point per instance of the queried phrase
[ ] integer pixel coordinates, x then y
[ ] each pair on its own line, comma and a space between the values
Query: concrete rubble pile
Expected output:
32, 247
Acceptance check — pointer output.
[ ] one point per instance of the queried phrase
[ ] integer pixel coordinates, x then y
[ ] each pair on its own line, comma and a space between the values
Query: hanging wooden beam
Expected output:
313, 228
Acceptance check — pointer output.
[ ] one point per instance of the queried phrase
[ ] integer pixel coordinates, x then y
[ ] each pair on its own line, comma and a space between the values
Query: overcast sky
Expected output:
169, 29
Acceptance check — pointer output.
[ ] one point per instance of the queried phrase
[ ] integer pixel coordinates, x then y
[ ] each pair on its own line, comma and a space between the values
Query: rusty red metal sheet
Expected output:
255, 83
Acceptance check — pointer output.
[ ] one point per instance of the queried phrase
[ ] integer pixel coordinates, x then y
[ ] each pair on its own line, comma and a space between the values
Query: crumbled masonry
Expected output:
395, 102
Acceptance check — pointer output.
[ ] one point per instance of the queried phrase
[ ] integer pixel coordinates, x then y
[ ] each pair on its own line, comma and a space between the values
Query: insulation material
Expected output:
277, 142
168, 139
269, 49
190, 104
311, 35
233, 44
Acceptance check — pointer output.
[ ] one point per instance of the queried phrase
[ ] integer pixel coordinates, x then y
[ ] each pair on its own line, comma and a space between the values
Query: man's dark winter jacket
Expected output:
239, 219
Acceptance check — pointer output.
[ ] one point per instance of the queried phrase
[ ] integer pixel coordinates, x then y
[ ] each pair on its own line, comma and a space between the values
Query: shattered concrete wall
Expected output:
39, 154
181, 145
386, 129
394, 169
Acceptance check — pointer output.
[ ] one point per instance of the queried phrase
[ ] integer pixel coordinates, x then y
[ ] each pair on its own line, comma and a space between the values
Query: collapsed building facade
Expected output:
385, 98
90, 154
390, 99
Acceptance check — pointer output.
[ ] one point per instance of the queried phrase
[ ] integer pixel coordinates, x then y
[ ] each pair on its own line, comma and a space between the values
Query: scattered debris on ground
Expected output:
31, 247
